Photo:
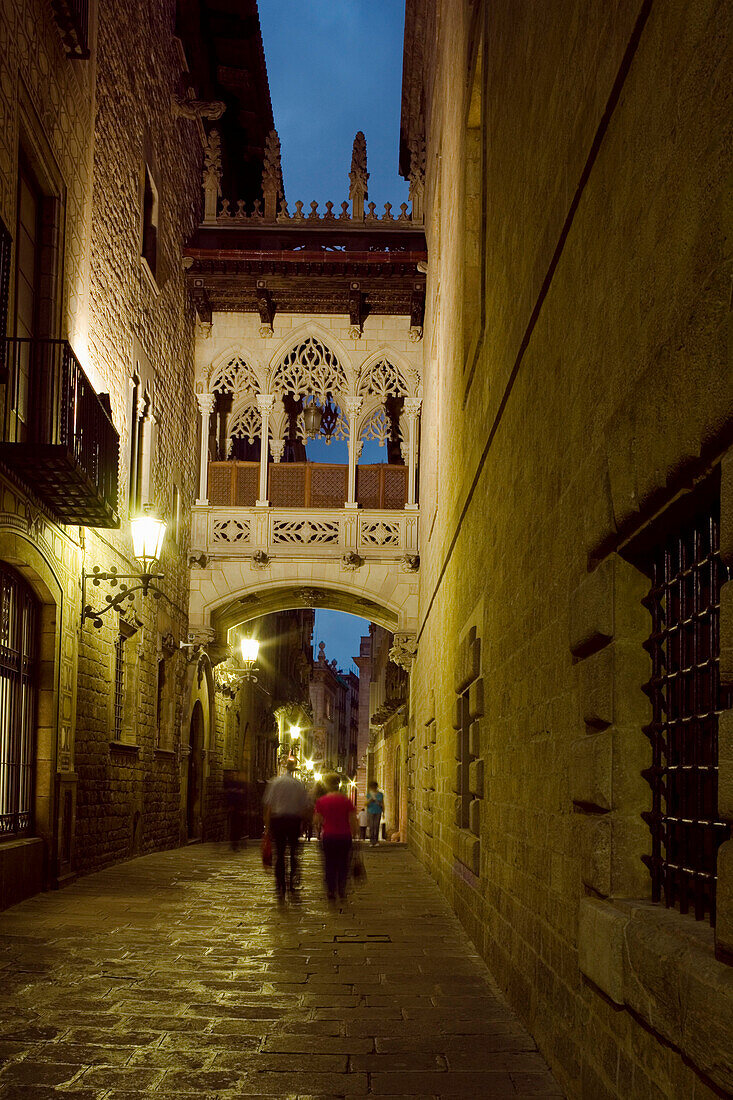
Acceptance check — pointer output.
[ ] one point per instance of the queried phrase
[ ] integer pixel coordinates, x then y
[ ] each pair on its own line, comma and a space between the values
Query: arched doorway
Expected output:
19, 615
195, 772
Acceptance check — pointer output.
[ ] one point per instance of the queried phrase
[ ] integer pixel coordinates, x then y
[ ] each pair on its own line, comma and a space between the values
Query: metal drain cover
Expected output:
366, 937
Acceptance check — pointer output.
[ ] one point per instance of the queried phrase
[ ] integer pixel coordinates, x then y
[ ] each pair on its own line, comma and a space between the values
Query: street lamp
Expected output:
250, 648
148, 533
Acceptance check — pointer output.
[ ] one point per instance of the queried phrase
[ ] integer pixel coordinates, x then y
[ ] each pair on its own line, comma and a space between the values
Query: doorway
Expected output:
195, 764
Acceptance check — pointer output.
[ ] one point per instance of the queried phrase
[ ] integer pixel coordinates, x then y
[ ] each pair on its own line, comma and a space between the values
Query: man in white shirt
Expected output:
285, 804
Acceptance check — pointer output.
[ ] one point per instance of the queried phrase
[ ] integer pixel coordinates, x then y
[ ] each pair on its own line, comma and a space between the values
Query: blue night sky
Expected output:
335, 67
341, 633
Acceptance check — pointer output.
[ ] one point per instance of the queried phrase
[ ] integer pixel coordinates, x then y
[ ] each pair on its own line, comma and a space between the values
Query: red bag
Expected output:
266, 850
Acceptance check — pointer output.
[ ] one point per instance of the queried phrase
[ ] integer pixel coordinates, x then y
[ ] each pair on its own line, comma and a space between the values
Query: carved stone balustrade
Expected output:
269, 533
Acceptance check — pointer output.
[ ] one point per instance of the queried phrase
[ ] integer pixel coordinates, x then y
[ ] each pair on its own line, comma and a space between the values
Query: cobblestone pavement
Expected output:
177, 975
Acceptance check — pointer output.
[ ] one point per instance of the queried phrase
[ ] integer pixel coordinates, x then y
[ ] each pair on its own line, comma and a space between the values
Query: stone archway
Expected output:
230, 593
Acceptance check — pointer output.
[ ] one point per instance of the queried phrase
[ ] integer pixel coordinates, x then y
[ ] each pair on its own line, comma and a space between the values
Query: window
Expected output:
123, 711
686, 577
462, 770
141, 425
18, 687
5, 246
160, 709
150, 223
119, 687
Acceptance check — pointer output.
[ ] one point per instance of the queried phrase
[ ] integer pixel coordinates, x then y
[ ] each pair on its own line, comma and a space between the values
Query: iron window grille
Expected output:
18, 689
686, 697
119, 686
5, 247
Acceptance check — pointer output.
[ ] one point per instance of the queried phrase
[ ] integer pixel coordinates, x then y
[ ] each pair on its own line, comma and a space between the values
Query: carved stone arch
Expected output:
245, 420
399, 378
327, 339
235, 371
370, 413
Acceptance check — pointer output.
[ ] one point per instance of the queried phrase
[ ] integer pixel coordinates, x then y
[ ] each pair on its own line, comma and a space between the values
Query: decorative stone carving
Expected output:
272, 176
195, 109
212, 175
410, 563
417, 176
358, 177
308, 596
404, 650
197, 559
260, 560
351, 561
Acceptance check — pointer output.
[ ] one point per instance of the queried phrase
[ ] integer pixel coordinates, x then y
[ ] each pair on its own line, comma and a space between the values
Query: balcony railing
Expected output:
57, 433
307, 485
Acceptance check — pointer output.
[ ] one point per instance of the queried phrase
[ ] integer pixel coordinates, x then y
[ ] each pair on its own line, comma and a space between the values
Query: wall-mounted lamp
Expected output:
250, 648
148, 533
295, 733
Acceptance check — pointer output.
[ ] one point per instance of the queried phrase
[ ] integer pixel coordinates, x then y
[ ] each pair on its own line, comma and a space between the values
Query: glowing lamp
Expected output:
148, 533
250, 648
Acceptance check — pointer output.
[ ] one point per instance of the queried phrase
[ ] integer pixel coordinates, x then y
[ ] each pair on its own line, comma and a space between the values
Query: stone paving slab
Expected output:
179, 975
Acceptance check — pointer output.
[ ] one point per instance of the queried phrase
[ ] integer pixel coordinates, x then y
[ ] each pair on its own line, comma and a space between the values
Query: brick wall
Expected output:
597, 382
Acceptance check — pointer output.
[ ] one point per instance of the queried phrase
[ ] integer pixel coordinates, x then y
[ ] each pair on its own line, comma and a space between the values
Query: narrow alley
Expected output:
177, 975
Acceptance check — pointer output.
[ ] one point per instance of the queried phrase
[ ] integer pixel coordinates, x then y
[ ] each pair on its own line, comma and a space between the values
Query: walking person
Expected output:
375, 809
285, 804
335, 814
363, 823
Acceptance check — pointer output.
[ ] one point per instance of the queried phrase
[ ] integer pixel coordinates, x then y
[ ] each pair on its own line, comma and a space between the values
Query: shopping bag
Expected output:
266, 850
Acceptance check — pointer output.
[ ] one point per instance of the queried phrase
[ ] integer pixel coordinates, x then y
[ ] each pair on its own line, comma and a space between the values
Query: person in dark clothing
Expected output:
285, 805
335, 814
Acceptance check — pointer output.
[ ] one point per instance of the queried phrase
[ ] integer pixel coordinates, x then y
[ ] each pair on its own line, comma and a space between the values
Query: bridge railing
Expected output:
289, 532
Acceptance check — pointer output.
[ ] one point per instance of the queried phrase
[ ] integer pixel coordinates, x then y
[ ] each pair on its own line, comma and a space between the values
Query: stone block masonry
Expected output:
590, 388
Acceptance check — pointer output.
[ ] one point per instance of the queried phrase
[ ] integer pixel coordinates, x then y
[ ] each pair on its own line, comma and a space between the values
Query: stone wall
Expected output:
589, 388
135, 320
93, 125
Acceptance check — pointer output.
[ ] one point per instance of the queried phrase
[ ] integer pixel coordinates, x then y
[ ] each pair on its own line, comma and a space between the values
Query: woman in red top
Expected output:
335, 815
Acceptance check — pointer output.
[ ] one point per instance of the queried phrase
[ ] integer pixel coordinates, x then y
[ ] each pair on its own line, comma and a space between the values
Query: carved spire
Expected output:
417, 176
358, 177
272, 175
212, 175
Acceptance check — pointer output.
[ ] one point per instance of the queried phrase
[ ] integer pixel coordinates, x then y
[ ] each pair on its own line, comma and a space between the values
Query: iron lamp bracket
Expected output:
144, 584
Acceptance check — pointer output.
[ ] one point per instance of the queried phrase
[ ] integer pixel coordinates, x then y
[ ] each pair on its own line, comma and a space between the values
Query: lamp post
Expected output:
148, 533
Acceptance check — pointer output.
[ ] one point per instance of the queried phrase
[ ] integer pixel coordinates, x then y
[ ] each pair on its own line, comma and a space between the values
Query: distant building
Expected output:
334, 696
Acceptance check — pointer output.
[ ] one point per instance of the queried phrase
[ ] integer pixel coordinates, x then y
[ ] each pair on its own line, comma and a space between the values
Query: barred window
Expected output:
119, 687
686, 577
18, 690
5, 245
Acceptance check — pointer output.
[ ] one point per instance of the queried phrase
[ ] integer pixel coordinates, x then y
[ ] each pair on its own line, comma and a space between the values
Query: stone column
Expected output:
412, 412
206, 407
265, 403
353, 408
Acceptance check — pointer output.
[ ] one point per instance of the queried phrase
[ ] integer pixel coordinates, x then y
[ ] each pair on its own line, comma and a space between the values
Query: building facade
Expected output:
570, 740
99, 192
333, 736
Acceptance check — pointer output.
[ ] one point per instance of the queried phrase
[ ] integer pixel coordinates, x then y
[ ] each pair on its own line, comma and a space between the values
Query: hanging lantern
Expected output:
312, 417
